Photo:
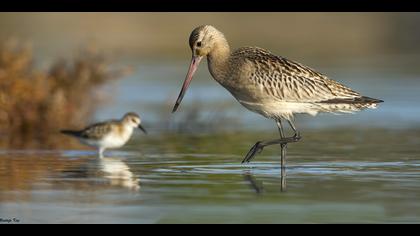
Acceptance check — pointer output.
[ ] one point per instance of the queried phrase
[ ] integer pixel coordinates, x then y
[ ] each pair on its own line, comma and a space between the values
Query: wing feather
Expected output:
97, 131
291, 81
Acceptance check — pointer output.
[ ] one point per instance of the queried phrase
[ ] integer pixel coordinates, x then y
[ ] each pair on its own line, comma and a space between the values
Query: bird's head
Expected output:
133, 120
203, 40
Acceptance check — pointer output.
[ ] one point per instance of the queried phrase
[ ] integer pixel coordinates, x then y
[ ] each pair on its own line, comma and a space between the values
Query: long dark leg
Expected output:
297, 134
259, 146
280, 127
283, 146
283, 158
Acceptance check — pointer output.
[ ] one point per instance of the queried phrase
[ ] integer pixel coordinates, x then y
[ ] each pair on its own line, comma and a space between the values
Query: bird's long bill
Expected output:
142, 128
195, 61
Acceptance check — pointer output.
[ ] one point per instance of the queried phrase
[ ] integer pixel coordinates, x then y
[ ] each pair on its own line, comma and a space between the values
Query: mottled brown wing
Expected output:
97, 131
291, 81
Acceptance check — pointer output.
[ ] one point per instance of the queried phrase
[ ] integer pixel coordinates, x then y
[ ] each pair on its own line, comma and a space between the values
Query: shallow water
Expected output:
333, 176
361, 168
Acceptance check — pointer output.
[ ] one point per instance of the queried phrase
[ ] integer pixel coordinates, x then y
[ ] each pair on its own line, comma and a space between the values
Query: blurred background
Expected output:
65, 70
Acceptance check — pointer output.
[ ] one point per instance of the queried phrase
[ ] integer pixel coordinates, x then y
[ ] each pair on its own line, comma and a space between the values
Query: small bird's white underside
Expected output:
281, 109
111, 140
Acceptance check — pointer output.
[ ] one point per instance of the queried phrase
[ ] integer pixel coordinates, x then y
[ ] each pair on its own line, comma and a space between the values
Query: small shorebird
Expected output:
270, 85
108, 134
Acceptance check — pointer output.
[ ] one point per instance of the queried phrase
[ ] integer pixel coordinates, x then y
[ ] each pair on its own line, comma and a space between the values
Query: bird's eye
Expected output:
199, 44
133, 120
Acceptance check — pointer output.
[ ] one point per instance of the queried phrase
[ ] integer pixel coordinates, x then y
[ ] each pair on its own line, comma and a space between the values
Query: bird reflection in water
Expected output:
118, 173
107, 171
258, 186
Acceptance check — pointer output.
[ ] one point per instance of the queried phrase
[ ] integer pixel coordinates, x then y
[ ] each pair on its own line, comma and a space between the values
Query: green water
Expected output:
333, 176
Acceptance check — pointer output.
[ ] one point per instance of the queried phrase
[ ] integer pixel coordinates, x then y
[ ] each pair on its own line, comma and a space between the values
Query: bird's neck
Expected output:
125, 130
218, 60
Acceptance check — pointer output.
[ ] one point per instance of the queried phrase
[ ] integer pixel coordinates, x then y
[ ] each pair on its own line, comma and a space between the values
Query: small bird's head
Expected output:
132, 119
203, 41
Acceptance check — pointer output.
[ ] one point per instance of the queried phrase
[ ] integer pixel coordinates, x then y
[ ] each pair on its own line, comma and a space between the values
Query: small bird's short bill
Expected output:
142, 128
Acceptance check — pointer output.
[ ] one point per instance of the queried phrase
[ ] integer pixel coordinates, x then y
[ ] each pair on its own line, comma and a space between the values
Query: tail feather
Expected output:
356, 100
349, 105
71, 132
370, 100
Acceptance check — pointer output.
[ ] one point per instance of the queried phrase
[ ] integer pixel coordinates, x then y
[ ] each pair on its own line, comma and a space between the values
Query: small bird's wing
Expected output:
290, 81
97, 131
94, 131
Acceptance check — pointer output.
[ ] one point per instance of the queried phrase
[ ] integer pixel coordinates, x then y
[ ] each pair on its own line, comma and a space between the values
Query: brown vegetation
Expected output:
35, 104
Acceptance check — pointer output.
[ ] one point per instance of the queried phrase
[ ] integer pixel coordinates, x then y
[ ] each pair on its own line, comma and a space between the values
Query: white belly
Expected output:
114, 141
278, 109
109, 141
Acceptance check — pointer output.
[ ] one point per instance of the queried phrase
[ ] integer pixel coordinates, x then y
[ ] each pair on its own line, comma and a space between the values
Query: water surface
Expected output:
361, 168
334, 176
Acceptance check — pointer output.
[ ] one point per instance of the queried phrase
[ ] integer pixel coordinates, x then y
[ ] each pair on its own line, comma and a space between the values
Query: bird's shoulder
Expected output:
277, 73
98, 130
262, 59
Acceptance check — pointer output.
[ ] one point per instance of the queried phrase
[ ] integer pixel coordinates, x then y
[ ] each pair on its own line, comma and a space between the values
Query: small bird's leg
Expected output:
101, 152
